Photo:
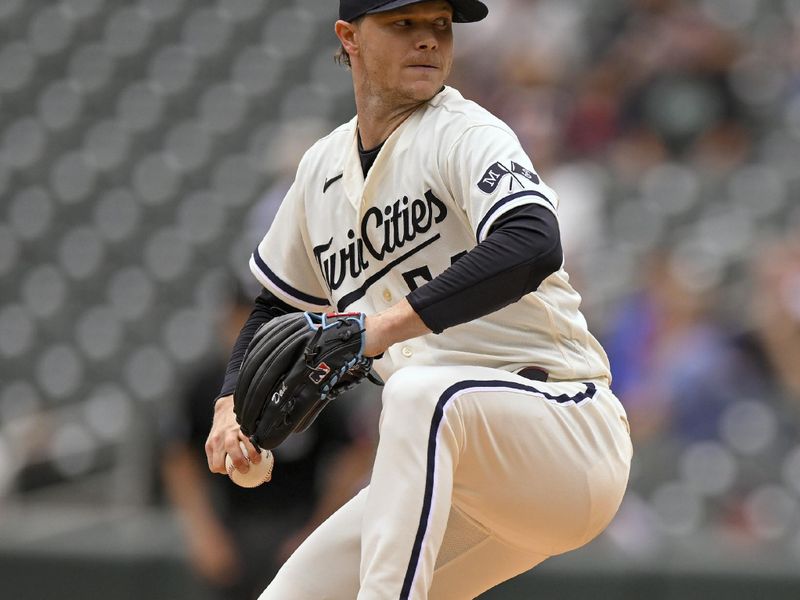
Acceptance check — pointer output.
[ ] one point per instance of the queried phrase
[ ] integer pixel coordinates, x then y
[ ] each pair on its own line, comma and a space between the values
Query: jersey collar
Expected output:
356, 187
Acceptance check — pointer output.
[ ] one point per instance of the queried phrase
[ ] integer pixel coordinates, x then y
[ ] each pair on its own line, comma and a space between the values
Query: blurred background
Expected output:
144, 148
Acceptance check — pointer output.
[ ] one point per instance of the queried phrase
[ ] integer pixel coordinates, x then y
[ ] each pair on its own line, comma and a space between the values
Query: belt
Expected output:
533, 373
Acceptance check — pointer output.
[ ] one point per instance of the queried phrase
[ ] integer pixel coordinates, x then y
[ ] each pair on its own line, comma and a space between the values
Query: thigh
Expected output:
544, 466
326, 565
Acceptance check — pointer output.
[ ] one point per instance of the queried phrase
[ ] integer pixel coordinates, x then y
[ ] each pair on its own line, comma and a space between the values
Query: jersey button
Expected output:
407, 352
387, 295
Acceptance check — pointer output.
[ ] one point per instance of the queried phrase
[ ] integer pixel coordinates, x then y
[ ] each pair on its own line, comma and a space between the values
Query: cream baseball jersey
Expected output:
342, 242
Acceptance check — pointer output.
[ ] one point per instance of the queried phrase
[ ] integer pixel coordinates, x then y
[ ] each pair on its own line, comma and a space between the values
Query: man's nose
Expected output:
427, 41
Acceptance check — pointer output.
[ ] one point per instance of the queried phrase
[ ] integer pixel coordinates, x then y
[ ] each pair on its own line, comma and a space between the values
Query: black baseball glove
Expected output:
294, 365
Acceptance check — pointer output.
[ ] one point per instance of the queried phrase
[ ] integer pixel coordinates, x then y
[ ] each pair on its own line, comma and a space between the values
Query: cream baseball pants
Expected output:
480, 475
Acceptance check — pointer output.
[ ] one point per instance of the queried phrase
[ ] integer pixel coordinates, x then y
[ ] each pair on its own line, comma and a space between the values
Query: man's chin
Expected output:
423, 91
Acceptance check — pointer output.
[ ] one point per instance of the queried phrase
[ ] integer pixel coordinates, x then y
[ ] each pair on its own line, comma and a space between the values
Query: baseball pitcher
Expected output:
419, 242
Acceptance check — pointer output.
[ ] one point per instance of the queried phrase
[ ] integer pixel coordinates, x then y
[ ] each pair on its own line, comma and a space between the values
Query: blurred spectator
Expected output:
774, 344
664, 78
763, 391
238, 538
716, 414
753, 390
662, 336
711, 370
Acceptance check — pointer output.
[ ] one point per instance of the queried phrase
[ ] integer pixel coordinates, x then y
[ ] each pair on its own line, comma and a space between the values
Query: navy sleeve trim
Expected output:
488, 217
285, 287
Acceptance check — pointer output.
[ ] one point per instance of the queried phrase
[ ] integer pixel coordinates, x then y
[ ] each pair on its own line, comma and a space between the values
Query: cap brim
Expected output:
464, 11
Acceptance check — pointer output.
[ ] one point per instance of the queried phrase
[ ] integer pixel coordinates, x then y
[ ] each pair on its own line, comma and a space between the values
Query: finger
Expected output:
240, 460
215, 455
209, 453
218, 460
253, 453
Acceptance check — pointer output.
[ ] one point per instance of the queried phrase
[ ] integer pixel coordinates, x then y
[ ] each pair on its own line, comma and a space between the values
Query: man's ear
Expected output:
348, 36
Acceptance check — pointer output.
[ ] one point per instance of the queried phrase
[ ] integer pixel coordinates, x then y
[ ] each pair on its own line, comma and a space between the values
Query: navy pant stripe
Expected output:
436, 421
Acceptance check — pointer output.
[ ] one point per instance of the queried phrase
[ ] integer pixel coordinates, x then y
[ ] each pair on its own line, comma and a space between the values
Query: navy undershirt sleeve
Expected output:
521, 250
266, 307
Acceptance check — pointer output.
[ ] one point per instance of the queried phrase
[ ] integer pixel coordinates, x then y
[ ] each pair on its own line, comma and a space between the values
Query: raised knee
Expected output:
410, 402
405, 384
415, 388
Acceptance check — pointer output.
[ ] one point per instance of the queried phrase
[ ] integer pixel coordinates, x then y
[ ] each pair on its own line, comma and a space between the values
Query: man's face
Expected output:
407, 53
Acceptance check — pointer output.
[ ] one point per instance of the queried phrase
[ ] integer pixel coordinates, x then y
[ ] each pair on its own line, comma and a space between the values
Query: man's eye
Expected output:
402, 23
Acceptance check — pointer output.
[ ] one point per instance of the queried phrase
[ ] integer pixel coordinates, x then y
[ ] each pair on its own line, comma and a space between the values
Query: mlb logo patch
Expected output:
320, 372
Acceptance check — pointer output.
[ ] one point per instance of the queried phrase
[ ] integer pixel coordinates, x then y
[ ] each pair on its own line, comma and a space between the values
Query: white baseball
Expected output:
258, 473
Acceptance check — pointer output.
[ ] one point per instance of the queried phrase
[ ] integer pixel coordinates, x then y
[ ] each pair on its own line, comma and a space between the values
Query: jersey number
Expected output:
422, 275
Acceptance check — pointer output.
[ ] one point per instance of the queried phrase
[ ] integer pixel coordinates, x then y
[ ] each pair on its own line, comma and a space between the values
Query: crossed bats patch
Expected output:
498, 171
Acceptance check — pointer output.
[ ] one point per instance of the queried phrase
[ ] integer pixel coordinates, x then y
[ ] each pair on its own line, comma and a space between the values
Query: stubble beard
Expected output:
392, 95
398, 96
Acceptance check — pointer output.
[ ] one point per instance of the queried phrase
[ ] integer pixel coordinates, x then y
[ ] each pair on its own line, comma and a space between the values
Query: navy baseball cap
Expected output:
464, 11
